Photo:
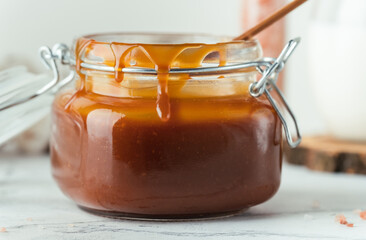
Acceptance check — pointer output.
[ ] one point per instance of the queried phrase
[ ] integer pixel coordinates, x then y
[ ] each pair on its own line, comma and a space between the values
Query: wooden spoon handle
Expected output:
270, 20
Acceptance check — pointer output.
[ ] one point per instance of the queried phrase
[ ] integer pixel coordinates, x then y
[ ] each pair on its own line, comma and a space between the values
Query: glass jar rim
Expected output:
96, 51
156, 38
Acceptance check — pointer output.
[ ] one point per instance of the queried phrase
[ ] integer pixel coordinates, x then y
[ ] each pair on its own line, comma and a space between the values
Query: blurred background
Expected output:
27, 25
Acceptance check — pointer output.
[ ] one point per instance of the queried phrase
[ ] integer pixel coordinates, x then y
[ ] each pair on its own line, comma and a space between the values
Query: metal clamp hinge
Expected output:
60, 52
268, 82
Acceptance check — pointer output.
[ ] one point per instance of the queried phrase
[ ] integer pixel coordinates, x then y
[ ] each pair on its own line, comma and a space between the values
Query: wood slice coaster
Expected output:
327, 154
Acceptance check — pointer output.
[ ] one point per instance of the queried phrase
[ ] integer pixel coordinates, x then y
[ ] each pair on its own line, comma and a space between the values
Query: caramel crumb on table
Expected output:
363, 215
342, 220
2, 229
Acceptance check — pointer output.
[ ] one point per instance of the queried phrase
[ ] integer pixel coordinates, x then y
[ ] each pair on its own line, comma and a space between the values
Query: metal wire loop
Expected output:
48, 58
268, 82
292, 142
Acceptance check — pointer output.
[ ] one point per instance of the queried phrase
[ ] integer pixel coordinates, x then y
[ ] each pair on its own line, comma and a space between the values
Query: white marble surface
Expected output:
32, 207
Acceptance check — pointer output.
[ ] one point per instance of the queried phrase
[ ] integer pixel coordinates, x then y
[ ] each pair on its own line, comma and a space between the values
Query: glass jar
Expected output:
166, 127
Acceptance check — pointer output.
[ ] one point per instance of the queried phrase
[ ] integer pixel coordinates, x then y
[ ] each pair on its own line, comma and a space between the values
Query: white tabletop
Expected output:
32, 207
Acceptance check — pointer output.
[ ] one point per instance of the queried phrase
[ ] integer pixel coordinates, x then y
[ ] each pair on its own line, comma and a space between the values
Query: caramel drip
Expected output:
193, 57
120, 53
163, 57
81, 48
223, 57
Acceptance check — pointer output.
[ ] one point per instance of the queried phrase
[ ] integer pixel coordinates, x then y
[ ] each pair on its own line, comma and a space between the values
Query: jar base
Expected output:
162, 218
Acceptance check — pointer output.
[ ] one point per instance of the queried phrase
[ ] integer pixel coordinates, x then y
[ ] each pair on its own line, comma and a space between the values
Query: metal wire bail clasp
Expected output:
268, 82
49, 58
59, 52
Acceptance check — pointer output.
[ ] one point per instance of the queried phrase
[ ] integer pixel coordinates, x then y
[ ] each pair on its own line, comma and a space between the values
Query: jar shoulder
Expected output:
188, 109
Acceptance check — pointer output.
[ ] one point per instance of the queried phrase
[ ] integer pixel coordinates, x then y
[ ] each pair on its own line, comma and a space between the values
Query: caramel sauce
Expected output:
177, 146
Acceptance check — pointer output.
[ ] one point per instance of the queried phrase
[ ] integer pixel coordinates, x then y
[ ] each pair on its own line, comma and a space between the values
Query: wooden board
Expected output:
327, 154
